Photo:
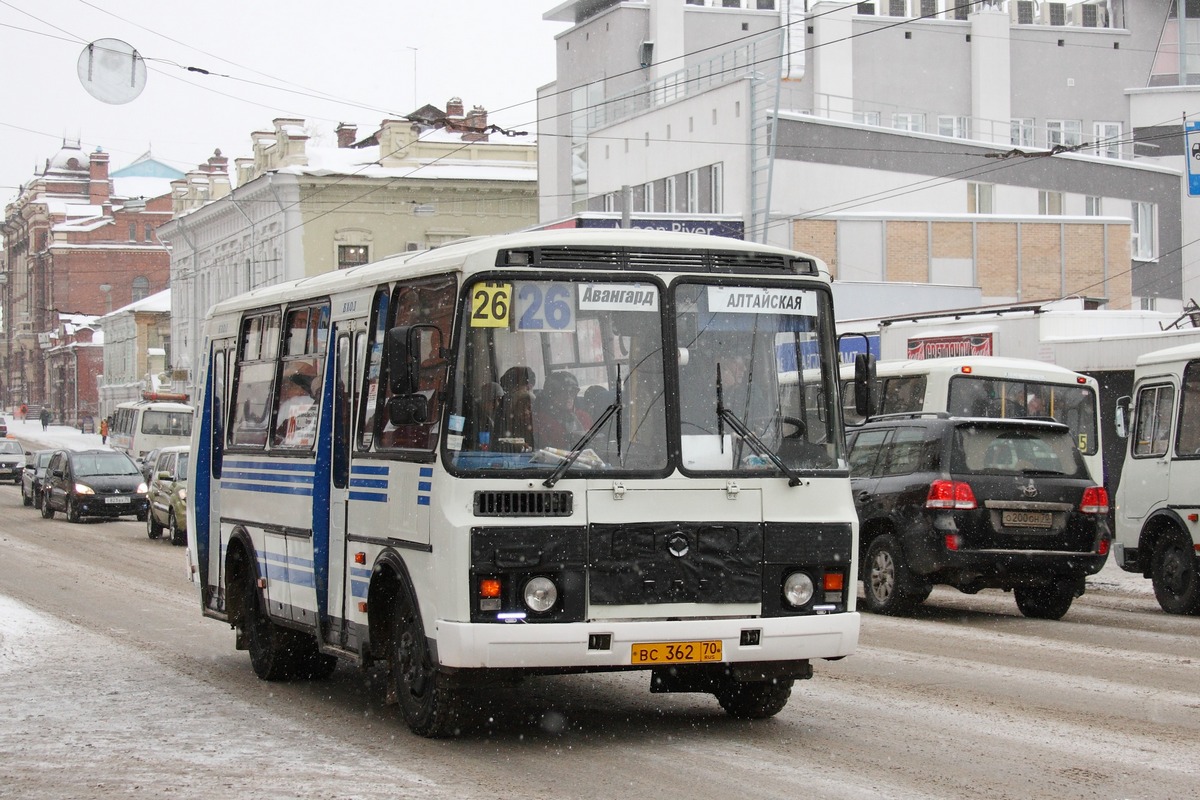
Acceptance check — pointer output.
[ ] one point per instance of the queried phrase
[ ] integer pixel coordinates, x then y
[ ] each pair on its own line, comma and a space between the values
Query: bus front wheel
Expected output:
430, 705
753, 700
1174, 575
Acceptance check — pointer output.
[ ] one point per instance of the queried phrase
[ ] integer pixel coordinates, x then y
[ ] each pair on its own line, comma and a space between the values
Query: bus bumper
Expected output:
608, 644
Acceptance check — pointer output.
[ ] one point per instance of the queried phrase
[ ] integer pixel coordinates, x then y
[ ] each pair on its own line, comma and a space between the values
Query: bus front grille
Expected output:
523, 504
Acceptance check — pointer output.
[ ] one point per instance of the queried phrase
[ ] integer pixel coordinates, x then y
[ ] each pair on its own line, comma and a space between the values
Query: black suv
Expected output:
93, 483
975, 504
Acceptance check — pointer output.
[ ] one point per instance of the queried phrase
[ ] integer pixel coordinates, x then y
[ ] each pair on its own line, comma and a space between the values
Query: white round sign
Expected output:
112, 71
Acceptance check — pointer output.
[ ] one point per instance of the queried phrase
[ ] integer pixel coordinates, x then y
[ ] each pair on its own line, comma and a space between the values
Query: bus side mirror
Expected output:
864, 385
405, 349
1122, 416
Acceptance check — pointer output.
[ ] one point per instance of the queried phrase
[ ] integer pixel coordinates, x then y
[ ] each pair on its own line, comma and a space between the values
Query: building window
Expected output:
141, 288
1021, 132
648, 197
909, 122
980, 197
956, 127
1142, 239
867, 118
1107, 138
133, 231
1148, 303
716, 187
351, 255
1064, 132
610, 201
693, 191
148, 232
1092, 206
669, 195
1050, 203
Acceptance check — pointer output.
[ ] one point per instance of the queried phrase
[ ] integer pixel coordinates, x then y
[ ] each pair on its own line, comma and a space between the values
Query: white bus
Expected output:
993, 386
545, 452
1158, 499
145, 425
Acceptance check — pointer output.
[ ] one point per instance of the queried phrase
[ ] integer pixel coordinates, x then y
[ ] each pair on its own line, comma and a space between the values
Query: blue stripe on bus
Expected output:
368, 470
367, 483
361, 572
258, 476
267, 488
426, 472
359, 589
371, 497
424, 486
422, 499
294, 561
272, 465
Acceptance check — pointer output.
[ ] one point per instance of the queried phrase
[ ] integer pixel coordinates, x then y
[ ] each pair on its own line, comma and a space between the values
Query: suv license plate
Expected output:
676, 652
1026, 519
116, 499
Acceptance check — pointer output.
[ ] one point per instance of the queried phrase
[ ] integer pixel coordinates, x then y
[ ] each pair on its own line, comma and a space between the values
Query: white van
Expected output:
1158, 500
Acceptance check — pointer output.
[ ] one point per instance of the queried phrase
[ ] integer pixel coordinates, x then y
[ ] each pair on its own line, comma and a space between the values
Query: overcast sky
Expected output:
268, 60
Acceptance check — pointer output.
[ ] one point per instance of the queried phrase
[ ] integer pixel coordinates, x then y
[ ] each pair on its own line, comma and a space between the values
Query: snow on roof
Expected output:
160, 301
141, 186
64, 206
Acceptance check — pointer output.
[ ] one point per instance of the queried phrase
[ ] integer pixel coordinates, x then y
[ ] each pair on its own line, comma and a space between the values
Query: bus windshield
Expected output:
757, 379
543, 362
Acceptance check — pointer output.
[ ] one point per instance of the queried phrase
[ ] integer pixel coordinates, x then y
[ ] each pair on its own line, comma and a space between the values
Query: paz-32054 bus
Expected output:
539, 453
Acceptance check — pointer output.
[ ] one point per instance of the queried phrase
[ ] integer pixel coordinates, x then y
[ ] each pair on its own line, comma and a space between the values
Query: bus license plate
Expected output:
116, 499
1027, 519
676, 652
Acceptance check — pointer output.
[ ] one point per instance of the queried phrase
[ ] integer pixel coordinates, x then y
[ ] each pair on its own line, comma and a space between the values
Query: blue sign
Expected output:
1191, 131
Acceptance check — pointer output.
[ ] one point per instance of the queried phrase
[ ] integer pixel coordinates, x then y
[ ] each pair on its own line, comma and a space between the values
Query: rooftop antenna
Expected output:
111, 71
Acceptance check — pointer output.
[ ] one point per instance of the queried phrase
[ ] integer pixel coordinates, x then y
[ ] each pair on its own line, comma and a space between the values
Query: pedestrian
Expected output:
23, 412
45, 418
104, 431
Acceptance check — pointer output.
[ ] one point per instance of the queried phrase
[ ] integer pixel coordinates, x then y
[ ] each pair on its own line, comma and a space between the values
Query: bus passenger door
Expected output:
343, 438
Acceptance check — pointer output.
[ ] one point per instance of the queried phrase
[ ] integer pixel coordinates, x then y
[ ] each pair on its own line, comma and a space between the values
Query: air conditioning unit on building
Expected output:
1022, 11
1054, 13
1089, 15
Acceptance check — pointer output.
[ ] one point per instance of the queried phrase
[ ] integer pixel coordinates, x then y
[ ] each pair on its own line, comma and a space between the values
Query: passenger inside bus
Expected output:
515, 411
560, 423
296, 422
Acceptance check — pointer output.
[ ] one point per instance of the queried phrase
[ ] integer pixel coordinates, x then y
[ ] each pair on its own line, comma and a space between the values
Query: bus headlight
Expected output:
798, 589
540, 595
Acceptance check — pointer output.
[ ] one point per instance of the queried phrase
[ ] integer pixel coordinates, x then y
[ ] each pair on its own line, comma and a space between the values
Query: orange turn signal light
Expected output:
360, 558
834, 581
489, 587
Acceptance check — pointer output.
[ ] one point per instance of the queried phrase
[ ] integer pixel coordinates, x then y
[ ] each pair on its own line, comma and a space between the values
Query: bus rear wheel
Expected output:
1174, 575
430, 705
272, 647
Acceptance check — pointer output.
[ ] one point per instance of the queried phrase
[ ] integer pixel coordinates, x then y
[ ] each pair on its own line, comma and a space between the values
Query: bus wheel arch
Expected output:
1163, 522
429, 701
1175, 571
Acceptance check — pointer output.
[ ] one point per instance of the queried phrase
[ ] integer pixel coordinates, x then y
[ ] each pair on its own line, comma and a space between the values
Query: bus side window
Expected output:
254, 382
1154, 407
427, 302
1188, 438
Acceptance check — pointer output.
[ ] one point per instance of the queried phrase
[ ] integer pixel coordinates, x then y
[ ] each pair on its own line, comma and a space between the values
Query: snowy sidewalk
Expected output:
29, 432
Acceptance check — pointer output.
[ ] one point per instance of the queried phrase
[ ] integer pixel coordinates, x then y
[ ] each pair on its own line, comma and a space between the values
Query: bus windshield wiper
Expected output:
577, 448
727, 415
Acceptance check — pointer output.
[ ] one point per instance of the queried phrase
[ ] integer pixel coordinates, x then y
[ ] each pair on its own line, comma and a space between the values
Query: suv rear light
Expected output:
1095, 500
950, 494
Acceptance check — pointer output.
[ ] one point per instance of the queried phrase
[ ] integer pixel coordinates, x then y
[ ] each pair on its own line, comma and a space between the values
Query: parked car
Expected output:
93, 483
975, 503
3, 428
12, 460
146, 465
32, 475
167, 494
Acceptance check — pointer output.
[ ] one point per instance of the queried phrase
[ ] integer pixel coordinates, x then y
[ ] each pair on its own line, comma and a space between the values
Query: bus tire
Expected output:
431, 707
1051, 601
888, 585
178, 536
153, 529
47, 511
753, 699
272, 647
1174, 575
